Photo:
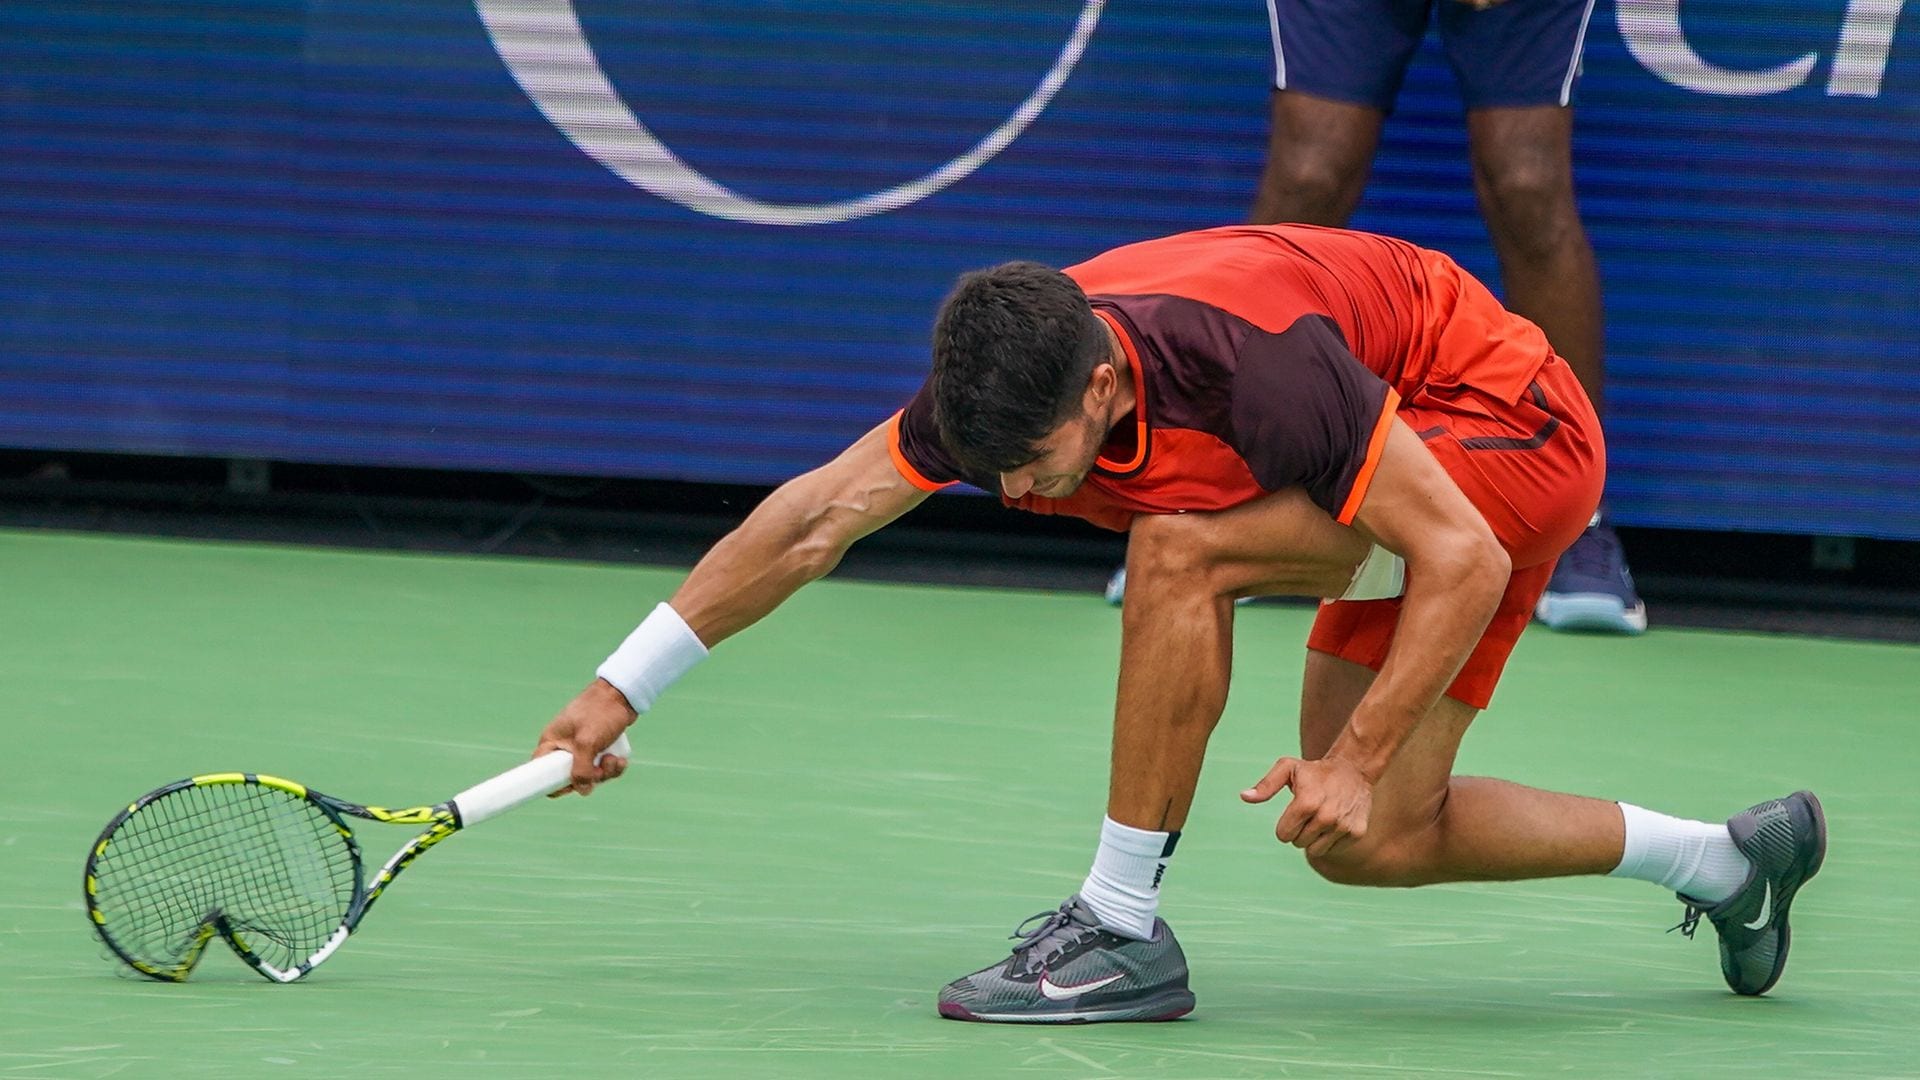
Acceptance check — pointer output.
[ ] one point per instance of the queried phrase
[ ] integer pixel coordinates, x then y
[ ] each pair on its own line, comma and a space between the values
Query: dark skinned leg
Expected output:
1523, 175
1318, 155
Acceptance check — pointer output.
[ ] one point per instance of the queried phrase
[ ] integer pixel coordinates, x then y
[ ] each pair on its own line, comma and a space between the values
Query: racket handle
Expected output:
548, 772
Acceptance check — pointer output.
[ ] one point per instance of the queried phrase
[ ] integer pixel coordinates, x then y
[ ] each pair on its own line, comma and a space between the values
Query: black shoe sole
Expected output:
1170, 1005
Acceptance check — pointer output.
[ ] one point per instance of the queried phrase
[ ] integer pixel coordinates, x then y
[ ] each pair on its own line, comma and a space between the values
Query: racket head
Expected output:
259, 861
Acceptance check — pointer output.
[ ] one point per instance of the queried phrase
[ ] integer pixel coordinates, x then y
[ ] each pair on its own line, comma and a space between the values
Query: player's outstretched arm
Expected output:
797, 535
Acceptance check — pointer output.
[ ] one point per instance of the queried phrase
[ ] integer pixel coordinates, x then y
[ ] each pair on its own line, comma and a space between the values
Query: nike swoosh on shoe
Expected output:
1766, 909
1053, 991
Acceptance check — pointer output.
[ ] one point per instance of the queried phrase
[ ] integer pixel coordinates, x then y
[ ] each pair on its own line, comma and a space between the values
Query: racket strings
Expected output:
273, 865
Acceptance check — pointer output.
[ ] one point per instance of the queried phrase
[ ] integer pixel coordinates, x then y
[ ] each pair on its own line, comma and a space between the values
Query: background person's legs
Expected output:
1523, 176
1337, 68
1319, 153
1517, 65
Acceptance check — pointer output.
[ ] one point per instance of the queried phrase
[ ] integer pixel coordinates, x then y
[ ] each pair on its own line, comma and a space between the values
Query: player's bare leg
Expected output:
1429, 826
1176, 638
1104, 955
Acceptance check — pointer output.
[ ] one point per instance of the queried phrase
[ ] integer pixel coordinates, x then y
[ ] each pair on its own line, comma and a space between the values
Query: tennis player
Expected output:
1264, 409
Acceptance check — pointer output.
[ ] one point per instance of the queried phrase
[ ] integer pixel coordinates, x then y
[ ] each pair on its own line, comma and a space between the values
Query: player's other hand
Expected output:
1331, 801
588, 725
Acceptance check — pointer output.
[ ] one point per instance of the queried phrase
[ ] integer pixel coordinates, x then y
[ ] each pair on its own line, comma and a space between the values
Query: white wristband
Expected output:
1382, 575
661, 649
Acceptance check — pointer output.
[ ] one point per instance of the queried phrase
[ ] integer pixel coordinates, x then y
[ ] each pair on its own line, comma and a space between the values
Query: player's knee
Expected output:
1401, 854
1380, 864
1168, 548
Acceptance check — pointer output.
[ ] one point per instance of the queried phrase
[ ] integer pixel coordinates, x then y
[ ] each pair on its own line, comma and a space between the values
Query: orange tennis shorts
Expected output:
1534, 468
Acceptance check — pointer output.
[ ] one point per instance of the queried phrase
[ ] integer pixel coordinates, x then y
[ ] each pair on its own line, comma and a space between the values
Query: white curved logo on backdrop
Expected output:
1654, 35
547, 51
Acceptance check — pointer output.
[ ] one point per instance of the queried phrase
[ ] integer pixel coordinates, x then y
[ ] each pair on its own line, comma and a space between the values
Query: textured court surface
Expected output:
855, 802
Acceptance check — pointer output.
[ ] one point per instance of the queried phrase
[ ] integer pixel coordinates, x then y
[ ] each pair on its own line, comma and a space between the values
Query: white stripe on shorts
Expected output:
1280, 58
1573, 66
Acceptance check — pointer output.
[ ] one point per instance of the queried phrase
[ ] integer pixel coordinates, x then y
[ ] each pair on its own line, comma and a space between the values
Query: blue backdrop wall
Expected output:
704, 241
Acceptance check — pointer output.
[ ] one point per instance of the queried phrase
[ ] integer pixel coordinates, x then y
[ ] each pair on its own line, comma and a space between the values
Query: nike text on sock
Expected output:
1693, 858
1123, 888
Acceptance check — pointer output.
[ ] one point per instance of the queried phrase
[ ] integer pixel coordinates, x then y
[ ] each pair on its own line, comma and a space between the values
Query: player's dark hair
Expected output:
1013, 348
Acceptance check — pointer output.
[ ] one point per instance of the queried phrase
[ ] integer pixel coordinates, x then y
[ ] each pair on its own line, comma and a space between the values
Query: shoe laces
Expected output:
1041, 945
1689, 922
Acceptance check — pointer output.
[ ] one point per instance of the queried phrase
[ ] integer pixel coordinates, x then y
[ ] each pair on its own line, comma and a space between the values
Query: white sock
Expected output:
1692, 858
1123, 888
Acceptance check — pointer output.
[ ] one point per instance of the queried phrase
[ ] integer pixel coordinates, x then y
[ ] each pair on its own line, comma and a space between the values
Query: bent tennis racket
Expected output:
269, 865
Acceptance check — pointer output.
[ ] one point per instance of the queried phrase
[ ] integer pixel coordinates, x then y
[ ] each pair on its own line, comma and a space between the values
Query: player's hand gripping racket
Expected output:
267, 864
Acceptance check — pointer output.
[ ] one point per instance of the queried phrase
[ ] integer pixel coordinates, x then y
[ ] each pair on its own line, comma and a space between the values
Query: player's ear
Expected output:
1101, 385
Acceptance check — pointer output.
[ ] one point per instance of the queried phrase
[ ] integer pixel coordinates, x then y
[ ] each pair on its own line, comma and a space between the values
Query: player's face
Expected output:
1066, 457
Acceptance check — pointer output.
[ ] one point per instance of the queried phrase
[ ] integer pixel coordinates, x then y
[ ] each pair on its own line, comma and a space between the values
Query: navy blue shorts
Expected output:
1519, 53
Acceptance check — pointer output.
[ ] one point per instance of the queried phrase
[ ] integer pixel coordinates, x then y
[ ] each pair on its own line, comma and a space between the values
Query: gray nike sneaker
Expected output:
1071, 970
1786, 841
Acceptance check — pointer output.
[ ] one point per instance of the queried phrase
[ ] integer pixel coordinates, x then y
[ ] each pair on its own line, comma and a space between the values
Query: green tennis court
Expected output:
856, 803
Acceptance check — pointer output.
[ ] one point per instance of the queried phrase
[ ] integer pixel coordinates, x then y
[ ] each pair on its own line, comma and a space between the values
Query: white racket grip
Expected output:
546, 773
